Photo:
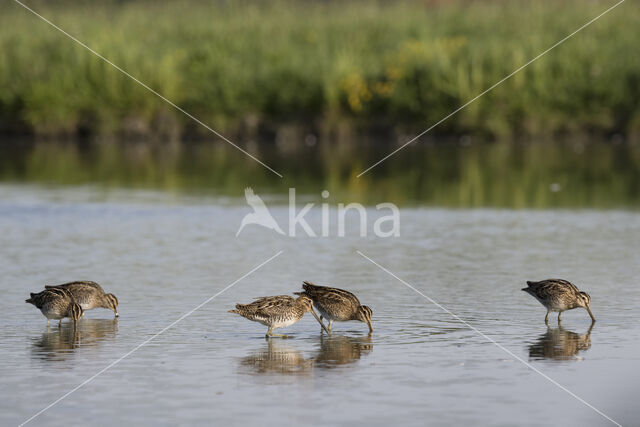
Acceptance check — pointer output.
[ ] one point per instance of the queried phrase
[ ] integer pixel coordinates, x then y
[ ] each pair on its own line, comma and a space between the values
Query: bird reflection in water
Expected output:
59, 343
560, 344
276, 357
336, 350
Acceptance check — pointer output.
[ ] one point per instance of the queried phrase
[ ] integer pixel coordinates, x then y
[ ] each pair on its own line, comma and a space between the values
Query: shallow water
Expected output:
164, 255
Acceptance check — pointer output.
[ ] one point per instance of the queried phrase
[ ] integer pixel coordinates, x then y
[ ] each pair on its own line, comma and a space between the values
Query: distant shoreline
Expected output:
262, 71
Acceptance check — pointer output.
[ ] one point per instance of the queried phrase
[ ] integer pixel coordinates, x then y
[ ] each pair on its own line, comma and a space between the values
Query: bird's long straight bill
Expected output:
319, 321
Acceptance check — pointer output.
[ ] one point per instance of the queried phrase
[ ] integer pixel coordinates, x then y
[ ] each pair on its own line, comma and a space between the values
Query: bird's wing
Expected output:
272, 305
551, 288
49, 295
67, 285
254, 201
329, 294
567, 284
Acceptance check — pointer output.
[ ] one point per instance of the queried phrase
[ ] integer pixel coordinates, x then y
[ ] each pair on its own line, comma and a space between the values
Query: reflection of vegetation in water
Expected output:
560, 344
500, 174
58, 343
242, 65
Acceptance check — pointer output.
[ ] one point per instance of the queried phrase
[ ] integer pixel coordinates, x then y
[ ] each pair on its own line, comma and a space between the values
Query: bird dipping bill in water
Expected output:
56, 304
559, 295
90, 295
337, 304
276, 311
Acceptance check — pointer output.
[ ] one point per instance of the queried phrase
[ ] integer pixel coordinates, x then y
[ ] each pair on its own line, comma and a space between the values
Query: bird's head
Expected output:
306, 302
111, 302
364, 314
584, 300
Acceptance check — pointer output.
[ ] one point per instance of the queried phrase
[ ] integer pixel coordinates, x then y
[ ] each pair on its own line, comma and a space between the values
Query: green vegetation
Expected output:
248, 67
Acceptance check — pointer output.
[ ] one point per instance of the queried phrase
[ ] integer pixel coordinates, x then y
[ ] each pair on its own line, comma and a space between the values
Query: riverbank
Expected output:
257, 71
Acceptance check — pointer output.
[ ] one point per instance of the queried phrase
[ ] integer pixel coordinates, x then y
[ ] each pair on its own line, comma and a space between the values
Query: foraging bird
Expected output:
260, 215
559, 295
337, 304
277, 311
89, 295
56, 304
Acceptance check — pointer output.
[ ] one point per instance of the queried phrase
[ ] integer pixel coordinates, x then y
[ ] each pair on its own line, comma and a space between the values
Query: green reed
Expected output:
364, 65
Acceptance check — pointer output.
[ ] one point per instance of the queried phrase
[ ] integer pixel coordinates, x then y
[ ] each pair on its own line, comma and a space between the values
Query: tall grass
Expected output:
399, 66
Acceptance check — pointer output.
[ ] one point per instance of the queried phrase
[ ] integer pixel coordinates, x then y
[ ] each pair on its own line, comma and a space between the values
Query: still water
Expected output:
163, 255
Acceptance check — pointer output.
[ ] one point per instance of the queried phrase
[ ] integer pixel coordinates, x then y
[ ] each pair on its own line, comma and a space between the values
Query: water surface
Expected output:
164, 254
462, 172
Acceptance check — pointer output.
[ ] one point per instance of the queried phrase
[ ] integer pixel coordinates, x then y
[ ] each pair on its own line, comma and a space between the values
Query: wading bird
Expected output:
277, 311
337, 304
559, 295
90, 295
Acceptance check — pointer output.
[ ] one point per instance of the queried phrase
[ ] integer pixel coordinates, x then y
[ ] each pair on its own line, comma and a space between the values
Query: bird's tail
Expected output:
306, 285
30, 300
529, 283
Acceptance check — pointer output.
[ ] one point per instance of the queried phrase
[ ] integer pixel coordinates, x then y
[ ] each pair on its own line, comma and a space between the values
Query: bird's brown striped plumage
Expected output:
56, 304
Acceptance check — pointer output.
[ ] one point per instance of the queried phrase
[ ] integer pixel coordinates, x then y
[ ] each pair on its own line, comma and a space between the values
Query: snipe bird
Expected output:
56, 304
559, 295
90, 295
337, 304
276, 311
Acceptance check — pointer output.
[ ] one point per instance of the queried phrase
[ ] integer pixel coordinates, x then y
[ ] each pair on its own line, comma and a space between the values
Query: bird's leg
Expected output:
271, 334
329, 328
59, 323
546, 319
321, 328
47, 322
559, 314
